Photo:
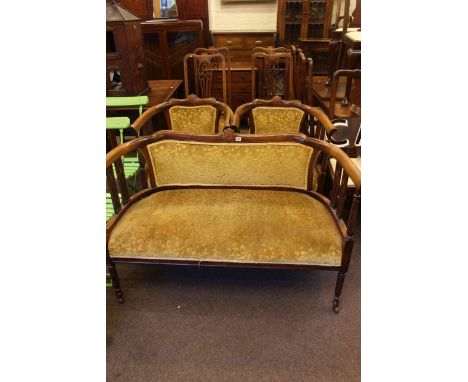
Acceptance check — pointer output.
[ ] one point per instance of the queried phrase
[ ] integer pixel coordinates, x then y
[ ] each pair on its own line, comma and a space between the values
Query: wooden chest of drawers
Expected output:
241, 84
240, 46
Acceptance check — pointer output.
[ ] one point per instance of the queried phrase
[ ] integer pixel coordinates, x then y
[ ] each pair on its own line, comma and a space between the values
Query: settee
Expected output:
234, 200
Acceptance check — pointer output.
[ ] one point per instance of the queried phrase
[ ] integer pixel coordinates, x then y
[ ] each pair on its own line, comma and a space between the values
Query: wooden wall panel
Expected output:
193, 10
137, 7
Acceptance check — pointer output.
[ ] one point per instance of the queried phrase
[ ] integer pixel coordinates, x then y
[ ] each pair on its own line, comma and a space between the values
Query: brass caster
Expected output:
119, 295
336, 308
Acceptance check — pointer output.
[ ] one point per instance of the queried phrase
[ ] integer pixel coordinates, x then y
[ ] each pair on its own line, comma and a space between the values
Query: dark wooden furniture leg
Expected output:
115, 282
338, 289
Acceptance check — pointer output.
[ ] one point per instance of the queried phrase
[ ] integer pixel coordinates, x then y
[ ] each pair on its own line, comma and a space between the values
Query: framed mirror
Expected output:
164, 9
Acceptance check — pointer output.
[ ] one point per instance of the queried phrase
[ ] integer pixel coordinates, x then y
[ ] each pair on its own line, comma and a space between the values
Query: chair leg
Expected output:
338, 288
116, 282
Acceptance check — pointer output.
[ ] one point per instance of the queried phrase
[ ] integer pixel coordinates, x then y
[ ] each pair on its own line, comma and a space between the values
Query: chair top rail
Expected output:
191, 100
229, 136
279, 102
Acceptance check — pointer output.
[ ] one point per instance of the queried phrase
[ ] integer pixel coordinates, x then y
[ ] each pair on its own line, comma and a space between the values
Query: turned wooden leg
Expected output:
115, 282
338, 288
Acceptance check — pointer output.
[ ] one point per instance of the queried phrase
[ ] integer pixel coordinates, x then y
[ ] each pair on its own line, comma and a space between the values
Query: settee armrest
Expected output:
345, 169
117, 183
345, 163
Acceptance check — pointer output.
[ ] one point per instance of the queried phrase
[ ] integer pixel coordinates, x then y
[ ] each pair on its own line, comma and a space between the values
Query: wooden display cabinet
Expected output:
187, 10
303, 19
166, 42
125, 75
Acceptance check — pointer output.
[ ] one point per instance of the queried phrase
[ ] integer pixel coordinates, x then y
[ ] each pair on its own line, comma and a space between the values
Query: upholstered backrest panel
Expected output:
193, 119
277, 119
233, 164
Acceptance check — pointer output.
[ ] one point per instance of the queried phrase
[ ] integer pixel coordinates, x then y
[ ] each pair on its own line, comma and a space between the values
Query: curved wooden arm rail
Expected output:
352, 93
318, 122
191, 100
183, 181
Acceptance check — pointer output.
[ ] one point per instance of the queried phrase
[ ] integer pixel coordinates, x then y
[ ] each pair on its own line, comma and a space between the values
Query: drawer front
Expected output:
241, 76
231, 42
218, 77
241, 87
240, 45
240, 55
236, 87
238, 99
237, 76
253, 41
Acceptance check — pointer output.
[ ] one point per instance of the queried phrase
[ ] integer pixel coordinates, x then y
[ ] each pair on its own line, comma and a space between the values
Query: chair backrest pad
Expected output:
193, 119
277, 119
177, 163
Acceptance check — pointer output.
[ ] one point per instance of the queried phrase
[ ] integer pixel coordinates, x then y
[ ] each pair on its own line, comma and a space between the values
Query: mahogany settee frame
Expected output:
322, 152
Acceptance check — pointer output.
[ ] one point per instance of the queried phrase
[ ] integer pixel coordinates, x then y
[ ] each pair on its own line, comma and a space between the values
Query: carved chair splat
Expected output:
227, 56
272, 74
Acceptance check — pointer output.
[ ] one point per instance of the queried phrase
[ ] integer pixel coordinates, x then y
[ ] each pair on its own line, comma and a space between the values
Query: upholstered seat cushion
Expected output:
354, 36
349, 29
229, 225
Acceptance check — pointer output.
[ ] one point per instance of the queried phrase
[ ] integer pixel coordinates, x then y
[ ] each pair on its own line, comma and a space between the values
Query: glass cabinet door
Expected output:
315, 18
293, 21
304, 19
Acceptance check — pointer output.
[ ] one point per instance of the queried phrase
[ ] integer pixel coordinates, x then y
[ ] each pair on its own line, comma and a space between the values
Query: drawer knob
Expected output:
228, 42
258, 42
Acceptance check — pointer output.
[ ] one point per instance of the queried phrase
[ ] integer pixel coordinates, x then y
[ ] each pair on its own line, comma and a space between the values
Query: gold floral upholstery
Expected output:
234, 164
231, 225
193, 119
277, 119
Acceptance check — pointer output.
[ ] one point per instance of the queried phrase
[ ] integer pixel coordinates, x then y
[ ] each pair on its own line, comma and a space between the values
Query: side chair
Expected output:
190, 115
336, 108
207, 74
276, 116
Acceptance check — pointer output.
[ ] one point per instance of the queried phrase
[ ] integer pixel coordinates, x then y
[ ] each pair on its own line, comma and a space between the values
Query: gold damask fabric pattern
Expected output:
235, 225
233, 164
273, 120
193, 119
